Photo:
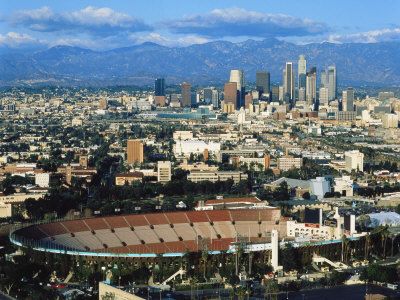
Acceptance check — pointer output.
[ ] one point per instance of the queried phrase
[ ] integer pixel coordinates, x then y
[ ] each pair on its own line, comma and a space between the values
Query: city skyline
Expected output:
103, 25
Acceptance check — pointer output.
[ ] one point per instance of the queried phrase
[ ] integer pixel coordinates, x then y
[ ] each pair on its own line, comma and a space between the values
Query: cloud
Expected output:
374, 36
165, 41
241, 22
98, 21
18, 40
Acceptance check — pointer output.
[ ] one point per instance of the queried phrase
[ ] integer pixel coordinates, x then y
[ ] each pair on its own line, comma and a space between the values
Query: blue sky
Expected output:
102, 25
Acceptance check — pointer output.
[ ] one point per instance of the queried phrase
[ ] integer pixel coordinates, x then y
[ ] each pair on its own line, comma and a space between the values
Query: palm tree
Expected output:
204, 256
384, 245
193, 282
392, 240
240, 292
251, 256
384, 235
367, 244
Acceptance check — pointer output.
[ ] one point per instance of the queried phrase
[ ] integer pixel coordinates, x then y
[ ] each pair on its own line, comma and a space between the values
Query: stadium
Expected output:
153, 234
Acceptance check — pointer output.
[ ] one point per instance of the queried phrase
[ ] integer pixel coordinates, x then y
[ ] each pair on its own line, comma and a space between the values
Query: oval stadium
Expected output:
153, 234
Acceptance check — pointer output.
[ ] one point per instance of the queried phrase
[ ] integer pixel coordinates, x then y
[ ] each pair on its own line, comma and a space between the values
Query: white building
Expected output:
241, 117
314, 231
163, 171
354, 160
365, 116
258, 163
323, 95
198, 176
42, 179
183, 135
77, 122
320, 186
289, 162
5, 210
187, 147
344, 186
315, 130
390, 121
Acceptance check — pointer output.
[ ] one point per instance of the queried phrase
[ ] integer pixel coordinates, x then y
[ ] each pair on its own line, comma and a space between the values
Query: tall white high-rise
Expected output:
323, 95
163, 171
275, 249
215, 98
332, 82
324, 79
238, 77
348, 100
354, 160
311, 88
289, 82
302, 72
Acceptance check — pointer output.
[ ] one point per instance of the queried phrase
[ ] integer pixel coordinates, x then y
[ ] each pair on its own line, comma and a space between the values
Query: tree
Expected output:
288, 258
282, 192
337, 278
379, 273
204, 256
364, 221
265, 194
271, 289
243, 187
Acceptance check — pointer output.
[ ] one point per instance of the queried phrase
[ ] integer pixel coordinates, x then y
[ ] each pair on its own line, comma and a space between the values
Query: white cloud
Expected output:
18, 40
241, 22
374, 36
165, 41
99, 21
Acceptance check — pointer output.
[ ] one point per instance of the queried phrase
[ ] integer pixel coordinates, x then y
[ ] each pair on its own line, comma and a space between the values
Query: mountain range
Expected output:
201, 64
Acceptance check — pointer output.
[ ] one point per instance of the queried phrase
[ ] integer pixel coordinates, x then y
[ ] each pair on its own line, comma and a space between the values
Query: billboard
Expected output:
313, 216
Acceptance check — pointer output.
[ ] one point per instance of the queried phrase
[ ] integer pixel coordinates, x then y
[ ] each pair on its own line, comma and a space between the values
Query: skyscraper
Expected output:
248, 99
323, 95
289, 83
311, 86
302, 71
329, 80
324, 79
208, 95
275, 93
230, 93
186, 94
163, 171
215, 99
348, 100
332, 82
134, 151
263, 82
238, 77
159, 87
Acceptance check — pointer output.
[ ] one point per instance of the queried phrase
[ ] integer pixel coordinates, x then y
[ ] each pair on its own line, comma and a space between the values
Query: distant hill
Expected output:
210, 63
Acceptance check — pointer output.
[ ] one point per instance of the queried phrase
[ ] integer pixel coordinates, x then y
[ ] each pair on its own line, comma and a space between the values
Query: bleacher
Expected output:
174, 232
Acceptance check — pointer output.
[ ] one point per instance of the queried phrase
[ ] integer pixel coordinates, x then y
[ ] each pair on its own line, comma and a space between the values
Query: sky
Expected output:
103, 25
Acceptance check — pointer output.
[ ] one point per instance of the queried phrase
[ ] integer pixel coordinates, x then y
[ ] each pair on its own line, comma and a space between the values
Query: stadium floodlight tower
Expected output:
275, 246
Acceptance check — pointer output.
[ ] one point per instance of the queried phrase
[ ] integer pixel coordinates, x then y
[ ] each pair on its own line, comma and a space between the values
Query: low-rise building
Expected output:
198, 176
5, 210
42, 179
259, 164
289, 162
128, 178
320, 186
344, 186
163, 171
314, 231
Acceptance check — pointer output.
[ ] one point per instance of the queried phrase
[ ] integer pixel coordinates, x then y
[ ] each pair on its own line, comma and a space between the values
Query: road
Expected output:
335, 293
